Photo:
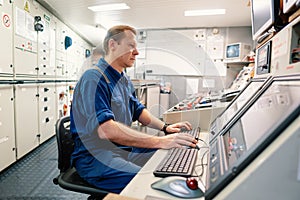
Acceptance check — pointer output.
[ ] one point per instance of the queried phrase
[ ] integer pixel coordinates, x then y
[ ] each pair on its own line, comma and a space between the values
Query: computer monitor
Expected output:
290, 5
264, 15
256, 127
236, 105
237, 52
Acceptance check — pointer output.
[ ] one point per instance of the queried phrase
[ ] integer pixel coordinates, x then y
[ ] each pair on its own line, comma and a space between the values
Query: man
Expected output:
108, 153
92, 60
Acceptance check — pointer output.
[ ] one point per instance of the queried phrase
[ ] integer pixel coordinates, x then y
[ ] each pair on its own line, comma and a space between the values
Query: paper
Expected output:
192, 85
215, 68
25, 25
215, 47
208, 83
20, 22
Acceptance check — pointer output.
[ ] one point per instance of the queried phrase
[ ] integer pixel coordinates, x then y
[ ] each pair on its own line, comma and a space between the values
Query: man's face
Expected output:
126, 50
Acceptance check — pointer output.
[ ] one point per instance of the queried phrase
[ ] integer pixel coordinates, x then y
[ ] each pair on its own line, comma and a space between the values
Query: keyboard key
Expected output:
178, 162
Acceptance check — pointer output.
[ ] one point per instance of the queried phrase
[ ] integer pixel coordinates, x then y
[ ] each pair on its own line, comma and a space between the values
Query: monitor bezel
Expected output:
249, 156
267, 24
230, 45
260, 92
265, 81
264, 69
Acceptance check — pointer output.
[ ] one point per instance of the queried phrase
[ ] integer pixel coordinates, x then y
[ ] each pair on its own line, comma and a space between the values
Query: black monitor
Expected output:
236, 105
256, 127
264, 15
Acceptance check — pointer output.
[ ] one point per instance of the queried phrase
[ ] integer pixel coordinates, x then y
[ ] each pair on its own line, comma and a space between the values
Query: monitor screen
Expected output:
236, 104
255, 126
233, 51
237, 51
265, 117
262, 16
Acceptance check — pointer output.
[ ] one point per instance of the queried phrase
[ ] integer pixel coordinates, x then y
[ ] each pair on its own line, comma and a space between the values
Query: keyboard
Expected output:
178, 162
195, 132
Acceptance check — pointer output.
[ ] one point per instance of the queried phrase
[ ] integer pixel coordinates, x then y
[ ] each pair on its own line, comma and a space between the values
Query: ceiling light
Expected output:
107, 7
204, 12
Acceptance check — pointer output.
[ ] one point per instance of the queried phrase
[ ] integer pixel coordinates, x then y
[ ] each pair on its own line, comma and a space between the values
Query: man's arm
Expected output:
124, 135
147, 119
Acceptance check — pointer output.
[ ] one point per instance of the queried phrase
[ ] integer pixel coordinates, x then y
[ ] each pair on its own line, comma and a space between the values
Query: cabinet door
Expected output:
61, 92
26, 104
47, 111
153, 100
6, 40
7, 134
25, 41
45, 37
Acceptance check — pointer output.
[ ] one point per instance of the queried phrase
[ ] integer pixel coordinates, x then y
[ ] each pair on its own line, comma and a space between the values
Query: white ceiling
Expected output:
146, 14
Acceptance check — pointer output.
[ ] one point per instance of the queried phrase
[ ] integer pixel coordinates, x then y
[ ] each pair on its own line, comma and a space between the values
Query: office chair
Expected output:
68, 177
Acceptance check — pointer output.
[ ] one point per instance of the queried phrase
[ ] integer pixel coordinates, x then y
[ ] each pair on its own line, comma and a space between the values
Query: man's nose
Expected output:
135, 51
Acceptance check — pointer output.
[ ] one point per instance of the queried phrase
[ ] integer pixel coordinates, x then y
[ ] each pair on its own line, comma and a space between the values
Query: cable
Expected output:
199, 139
202, 164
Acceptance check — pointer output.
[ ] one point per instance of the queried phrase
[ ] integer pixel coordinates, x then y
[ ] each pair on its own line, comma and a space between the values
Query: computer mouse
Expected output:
179, 187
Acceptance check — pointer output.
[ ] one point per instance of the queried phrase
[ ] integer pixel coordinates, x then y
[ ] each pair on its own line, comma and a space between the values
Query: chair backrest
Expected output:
65, 143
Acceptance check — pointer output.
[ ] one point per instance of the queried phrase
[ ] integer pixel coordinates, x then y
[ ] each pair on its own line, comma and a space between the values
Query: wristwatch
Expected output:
164, 129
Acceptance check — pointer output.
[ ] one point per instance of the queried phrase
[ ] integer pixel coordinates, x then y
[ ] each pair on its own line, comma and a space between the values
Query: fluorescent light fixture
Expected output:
108, 7
204, 12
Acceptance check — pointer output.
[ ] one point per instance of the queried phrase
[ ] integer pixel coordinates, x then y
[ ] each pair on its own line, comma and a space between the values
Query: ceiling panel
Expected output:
145, 14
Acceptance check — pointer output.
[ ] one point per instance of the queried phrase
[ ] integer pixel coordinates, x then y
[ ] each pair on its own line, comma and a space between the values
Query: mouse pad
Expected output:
176, 186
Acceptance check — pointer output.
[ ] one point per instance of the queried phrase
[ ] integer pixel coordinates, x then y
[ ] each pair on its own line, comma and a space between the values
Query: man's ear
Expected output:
112, 44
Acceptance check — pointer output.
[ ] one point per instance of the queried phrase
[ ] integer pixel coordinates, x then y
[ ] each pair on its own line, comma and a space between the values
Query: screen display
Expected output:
233, 51
261, 16
241, 100
256, 124
263, 59
232, 109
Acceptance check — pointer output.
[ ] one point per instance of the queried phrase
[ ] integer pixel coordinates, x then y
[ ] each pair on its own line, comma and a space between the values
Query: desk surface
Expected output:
140, 185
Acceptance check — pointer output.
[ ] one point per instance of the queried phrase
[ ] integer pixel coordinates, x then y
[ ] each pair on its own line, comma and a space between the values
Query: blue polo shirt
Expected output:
96, 99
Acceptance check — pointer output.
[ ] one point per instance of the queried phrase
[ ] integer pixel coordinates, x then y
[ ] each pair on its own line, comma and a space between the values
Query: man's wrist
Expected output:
164, 129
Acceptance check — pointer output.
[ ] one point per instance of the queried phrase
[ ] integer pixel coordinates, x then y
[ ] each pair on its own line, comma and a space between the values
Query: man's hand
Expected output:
177, 140
175, 128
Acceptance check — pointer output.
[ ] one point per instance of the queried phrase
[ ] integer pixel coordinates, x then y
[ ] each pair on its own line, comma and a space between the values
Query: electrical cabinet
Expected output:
26, 109
153, 99
47, 111
6, 40
45, 67
197, 117
25, 41
148, 92
7, 135
35, 72
61, 56
61, 99
163, 103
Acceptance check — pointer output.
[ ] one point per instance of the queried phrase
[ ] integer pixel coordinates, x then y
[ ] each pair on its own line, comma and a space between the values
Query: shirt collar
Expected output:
108, 69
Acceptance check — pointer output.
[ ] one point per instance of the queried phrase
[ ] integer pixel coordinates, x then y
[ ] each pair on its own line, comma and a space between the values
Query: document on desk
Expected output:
112, 196
149, 197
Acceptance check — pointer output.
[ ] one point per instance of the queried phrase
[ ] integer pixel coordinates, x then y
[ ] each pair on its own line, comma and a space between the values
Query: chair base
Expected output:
70, 180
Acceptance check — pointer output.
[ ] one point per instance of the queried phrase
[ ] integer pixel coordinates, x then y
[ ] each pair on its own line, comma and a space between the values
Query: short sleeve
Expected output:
91, 102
